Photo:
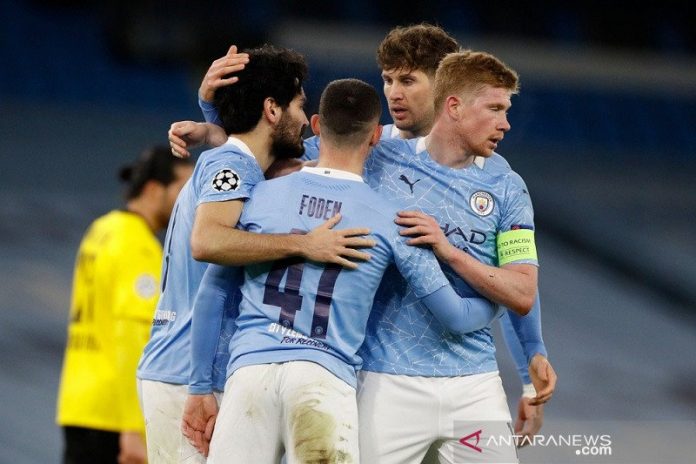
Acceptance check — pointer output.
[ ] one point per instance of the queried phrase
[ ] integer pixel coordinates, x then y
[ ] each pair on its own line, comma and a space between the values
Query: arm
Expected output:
214, 239
512, 285
530, 411
134, 289
201, 408
210, 114
524, 340
541, 373
190, 134
218, 284
131, 336
460, 315
215, 78
132, 448
427, 281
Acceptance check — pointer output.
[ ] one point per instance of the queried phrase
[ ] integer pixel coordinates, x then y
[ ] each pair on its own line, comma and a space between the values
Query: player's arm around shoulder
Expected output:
512, 285
213, 233
185, 135
215, 239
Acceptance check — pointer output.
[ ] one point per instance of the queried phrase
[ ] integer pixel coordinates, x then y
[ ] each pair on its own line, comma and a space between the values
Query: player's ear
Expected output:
376, 135
153, 188
271, 111
452, 106
314, 123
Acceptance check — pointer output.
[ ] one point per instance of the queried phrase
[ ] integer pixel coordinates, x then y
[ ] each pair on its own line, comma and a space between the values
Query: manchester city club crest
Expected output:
482, 203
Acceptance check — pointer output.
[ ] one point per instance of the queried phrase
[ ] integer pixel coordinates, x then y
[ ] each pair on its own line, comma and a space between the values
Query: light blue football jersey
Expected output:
297, 310
472, 205
520, 333
228, 172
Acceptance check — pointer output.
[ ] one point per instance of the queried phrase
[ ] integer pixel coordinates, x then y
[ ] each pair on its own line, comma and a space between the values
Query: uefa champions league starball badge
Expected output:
226, 180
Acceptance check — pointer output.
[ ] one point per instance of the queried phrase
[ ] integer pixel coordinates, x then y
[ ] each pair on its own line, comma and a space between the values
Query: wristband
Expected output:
528, 390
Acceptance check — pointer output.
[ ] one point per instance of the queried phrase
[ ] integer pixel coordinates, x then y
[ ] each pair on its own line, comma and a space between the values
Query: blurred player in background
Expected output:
115, 289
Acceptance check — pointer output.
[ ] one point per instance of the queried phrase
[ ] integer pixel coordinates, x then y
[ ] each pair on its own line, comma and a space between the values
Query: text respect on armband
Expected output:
516, 245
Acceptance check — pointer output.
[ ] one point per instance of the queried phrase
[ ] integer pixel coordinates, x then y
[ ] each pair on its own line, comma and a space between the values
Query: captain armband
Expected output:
516, 245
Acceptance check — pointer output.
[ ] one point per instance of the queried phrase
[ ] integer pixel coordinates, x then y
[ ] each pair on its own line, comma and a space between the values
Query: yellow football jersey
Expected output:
115, 291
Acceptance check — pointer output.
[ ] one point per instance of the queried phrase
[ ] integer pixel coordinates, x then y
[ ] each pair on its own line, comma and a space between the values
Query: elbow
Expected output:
523, 305
199, 250
460, 331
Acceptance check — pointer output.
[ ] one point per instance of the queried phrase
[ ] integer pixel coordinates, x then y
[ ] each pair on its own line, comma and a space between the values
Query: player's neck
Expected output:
446, 149
345, 160
143, 208
405, 134
260, 146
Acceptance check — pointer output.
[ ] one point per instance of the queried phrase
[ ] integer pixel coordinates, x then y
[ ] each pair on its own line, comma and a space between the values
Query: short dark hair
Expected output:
155, 163
272, 72
416, 47
348, 110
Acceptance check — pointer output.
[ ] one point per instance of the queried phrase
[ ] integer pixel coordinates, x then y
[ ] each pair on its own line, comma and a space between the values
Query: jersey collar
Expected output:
394, 133
239, 144
335, 173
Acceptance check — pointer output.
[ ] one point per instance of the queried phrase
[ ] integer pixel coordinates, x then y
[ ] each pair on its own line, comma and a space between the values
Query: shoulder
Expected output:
134, 235
385, 209
498, 166
228, 155
495, 165
109, 226
390, 131
395, 149
275, 184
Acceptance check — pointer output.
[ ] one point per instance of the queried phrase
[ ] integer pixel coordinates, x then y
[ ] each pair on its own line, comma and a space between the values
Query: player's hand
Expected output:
325, 245
185, 134
544, 379
426, 231
198, 421
530, 418
132, 448
215, 78
190, 134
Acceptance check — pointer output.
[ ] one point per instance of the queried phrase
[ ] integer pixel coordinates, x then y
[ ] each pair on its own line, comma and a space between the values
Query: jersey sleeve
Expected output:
218, 284
515, 243
515, 240
522, 335
311, 146
418, 266
514, 347
460, 315
210, 113
136, 287
230, 176
424, 275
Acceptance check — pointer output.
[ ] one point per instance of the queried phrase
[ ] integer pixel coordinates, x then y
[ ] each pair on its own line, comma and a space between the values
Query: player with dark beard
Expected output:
264, 118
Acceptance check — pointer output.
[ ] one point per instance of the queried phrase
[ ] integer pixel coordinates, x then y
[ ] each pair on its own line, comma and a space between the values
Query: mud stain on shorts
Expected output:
314, 436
